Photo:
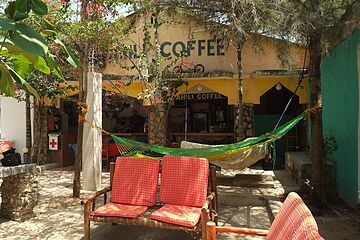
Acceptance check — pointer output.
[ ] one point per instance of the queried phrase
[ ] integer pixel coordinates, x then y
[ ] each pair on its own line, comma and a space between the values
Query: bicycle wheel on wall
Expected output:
177, 70
199, 68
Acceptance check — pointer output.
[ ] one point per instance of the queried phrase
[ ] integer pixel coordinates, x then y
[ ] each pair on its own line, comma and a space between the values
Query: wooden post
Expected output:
211, 231
92, 137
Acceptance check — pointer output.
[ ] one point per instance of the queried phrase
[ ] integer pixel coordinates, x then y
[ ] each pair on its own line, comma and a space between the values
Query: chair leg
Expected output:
87, 209
86, 229
211, 231
204, 220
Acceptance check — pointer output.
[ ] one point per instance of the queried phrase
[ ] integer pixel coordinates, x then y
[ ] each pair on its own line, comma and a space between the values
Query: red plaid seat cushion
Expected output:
179, 215
135, 181
119, 210
294, 221
184, 181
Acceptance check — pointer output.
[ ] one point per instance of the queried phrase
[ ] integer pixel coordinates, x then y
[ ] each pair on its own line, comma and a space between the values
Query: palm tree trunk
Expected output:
317, 148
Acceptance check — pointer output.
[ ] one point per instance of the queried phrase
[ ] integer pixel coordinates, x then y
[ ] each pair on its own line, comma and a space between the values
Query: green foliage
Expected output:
150, 66
330, 145
331, 20
39, 7
24, 46
99, 29
28, 40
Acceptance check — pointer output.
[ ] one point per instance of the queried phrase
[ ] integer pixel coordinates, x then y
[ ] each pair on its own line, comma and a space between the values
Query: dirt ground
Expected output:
339, 222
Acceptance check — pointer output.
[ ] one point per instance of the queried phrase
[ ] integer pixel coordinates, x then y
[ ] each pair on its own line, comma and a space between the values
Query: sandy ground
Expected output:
59, 216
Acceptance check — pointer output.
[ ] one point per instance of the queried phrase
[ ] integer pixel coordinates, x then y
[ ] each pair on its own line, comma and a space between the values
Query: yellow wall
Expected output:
258, 54
253, 87
263, 57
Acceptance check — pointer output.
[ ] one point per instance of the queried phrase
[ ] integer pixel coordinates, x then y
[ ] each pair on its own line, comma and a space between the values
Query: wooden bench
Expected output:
183, 192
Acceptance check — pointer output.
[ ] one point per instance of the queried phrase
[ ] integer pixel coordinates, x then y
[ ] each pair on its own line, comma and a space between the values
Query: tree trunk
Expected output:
158, 124
40, 146
28, 129
317, 148
82, 99
238, 108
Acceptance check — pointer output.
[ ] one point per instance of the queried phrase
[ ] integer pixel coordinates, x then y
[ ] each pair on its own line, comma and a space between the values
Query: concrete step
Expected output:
242, 216
287, 181
251, 198
273, 208
254, 180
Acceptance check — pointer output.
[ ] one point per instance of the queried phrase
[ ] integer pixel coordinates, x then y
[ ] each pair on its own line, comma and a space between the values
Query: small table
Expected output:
19, 191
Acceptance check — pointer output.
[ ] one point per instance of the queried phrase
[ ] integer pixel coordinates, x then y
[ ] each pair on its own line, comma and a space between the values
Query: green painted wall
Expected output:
339, 79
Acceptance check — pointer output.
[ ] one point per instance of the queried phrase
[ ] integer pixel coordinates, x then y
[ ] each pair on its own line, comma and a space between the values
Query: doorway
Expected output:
267, 114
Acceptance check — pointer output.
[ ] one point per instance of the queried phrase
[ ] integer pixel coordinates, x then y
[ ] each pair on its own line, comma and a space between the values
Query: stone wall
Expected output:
19, 195
299, 165
248, 119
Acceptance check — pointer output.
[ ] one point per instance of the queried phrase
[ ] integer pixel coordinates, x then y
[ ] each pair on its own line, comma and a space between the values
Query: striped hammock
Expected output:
235, 156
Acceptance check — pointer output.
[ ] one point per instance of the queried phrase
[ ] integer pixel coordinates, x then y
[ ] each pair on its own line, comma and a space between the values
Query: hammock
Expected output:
236, 155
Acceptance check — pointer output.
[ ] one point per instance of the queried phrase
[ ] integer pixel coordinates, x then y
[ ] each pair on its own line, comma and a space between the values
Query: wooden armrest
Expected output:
212, 229
208, 201
93, 196
90, 201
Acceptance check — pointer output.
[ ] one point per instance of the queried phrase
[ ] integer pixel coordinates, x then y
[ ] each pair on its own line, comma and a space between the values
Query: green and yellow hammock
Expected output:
234, 156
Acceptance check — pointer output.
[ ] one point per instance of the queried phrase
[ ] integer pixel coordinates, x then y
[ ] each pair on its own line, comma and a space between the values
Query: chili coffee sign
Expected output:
200, 96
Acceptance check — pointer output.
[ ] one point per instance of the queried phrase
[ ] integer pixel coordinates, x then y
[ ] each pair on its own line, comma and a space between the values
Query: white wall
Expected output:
13, 122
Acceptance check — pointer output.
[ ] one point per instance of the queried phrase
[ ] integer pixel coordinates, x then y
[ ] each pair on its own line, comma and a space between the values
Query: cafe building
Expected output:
205, 105
203, 110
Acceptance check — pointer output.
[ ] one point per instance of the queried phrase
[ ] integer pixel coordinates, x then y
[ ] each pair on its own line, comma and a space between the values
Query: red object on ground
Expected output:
5, 145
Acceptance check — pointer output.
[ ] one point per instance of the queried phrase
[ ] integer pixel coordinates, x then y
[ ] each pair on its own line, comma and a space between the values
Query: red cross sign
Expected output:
53, 142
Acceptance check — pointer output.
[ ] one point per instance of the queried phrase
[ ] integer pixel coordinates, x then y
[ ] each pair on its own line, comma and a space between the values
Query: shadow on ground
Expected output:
108, 231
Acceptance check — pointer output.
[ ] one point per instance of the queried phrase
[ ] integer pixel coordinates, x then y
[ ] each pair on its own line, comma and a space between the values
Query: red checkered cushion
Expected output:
294, 221
119, 210
184, 181
179, 215
135, 181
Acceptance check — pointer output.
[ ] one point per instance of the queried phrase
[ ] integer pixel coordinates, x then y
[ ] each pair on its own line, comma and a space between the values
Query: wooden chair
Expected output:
183, 190
294, 221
